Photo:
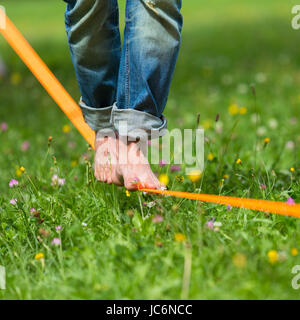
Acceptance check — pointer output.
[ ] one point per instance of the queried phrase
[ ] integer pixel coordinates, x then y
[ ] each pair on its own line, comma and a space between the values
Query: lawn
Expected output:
239, 59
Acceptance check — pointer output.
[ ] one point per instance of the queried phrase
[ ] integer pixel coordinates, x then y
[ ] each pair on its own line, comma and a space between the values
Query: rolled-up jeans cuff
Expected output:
132, 123
96, 118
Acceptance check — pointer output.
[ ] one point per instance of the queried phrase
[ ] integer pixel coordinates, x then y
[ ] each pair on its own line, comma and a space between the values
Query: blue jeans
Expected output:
124, 83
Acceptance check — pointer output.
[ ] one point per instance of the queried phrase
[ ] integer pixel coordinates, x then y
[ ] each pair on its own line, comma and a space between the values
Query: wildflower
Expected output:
180, 237
39, 256
210, 157
294, 252
66, 128
243, 110
3, 126
32, 211
290, 201
195, 175
61, 182
175, 168
157, 219
84, 224
25, 146
267, 140
18, 172
164, 179
233, 109
57, 181
22, 169
13, 201
56, 242
58, 228
260, 77
180, 178
292, 169
273, 123
210, 224
150, 204
13, 183
162, 163
74, 163
217, 224
127, 193
261, 131
273, 256
239, 260
238, 161
263, 187
229, 207
226, 176
290, 145
15, 78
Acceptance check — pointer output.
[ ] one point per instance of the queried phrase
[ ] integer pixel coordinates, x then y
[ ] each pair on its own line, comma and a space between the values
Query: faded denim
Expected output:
128, 82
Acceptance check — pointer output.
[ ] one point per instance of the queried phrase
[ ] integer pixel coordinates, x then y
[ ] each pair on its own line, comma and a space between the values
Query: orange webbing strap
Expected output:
72, 111
47, 79
282, 208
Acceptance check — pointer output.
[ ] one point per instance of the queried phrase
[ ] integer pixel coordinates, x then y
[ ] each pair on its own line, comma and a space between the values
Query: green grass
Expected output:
121, 253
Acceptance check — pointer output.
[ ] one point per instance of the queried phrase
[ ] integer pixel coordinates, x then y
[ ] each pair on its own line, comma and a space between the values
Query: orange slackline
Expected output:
73, 112
47, 79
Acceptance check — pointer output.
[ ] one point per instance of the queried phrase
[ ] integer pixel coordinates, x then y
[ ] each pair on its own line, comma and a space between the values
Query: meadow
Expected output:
63, 235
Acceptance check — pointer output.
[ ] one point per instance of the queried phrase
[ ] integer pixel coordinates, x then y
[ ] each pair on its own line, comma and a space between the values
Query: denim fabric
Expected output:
132, 80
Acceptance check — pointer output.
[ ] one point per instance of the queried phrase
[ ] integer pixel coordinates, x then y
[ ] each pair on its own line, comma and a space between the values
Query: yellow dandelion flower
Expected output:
66, 128
239, 260
210, 157
15, 78
22, 169
164, 179
18, 172
207, 124
233, 109
195, 175
292, 169
180, 178
74, 163
238, 161
226, 176
243, 110
39, 256
267, 140
273, 256
127, 193
180, 237
294, 252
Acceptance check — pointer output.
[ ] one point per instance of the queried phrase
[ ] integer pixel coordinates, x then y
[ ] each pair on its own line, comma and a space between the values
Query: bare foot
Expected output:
136, 172
106, 160
131, 168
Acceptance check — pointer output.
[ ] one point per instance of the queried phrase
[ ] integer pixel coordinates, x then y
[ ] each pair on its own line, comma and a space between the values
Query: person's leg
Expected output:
151, 44
94, 39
